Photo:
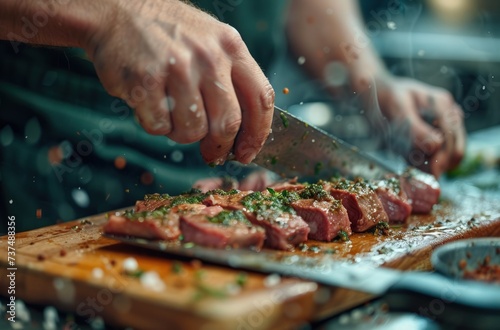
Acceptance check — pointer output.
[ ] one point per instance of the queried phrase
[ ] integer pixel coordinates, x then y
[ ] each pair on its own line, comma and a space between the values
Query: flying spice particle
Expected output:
120, 162
38, 213
286, 90
147, 178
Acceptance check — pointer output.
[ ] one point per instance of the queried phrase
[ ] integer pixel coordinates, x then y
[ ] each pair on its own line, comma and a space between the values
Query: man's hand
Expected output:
423, 119
187, 75
426, 125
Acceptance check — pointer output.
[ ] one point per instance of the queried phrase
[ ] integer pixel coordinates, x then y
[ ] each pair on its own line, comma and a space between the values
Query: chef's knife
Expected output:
459, 303
295, 148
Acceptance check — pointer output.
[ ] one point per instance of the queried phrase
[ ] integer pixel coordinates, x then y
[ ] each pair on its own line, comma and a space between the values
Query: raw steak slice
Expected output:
221, 230
284, 229
326, 219
325, 215
393, 198
290, 185
155, 201
422, 190
159, 224
363, 206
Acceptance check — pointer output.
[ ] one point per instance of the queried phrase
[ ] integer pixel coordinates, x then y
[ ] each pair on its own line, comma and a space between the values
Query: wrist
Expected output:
51, 23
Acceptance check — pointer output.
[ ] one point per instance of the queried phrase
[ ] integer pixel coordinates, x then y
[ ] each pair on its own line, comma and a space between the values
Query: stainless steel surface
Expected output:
447, 259
295, 148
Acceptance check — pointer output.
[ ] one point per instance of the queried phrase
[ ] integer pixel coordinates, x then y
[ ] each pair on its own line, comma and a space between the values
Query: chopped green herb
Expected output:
203, 291
343, 236
274, 160
314, 191
136, 273
242, 279
226, 217
382, 228
189, 245
317, 168
176, 267
85, 222
284, 119
329, 251
315, 248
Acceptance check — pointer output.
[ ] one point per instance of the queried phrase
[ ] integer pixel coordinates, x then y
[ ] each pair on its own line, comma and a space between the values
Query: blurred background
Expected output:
453, 44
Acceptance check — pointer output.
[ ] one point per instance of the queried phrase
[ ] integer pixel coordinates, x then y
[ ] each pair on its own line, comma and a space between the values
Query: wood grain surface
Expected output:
71, 266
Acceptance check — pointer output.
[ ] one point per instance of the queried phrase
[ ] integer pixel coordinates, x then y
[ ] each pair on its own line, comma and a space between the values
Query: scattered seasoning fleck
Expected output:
130, 265
384, 250
176, 267
329, 251
41, 257
112, 262
97, 273
120, 162
136, 274
468, 255
315, 249
62, 253
189, 245
242, 279
286, 90
382, 228
462, 264
274, 160
284, 119
85, 222
272, 280
196, 264
317, 168
303, 247
343, 236
38, 213
203, 291
199, 274
147, 178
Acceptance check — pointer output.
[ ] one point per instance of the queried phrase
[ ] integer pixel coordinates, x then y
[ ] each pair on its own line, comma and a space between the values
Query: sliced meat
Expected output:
393, 198
221, 230
325, 215
289, 185
326, 219
284, 229
422, 189
153, 202
162, 225
231, 201
363, 206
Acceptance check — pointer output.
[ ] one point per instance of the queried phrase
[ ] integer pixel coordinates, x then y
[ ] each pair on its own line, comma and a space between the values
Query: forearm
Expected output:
331, 30
52, 22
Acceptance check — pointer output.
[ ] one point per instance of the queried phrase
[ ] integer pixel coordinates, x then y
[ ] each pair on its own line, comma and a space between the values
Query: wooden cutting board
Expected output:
71, 266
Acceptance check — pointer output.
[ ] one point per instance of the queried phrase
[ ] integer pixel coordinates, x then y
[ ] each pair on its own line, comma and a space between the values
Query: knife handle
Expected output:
454, 302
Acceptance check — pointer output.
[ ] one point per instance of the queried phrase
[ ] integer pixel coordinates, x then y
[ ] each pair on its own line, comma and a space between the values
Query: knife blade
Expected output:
454, 302
295, 148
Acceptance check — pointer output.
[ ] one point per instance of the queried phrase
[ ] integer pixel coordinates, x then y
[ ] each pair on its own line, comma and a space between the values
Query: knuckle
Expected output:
231, 40
267, 97
180, 70
188, 136
232, 126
